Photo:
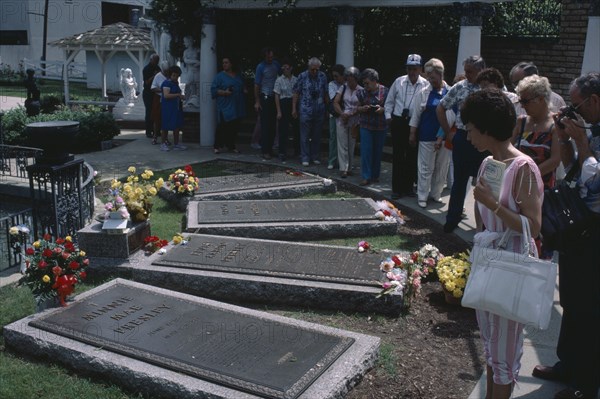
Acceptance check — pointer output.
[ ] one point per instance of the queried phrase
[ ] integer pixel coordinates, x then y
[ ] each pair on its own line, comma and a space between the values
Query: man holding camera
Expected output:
398, 111
578, 347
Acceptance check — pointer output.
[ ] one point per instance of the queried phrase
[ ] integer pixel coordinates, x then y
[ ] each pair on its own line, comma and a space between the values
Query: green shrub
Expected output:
50, 103
94, 127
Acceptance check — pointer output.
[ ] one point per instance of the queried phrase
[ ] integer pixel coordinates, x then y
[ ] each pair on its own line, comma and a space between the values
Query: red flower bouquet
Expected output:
153, 243
53, 268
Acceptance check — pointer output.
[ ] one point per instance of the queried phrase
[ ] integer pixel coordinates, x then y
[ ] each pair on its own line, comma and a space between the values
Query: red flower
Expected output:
29, 251
83, 275
397, 261
60, 241
57, 250
74, 265
47, 237
86, 262
47, 253
69, 246
65, 255
57, 270
386, 212
42, 264
414, 256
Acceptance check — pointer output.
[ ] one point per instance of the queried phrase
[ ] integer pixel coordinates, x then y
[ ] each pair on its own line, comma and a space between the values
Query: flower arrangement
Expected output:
453, 272
135, 194
184, 181
154, 243
387, 211
363, 246
427, 256
178, 238
53, 268
404, 273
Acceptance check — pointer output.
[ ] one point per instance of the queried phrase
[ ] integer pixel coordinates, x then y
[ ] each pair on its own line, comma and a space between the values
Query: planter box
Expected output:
97, 243
106, 145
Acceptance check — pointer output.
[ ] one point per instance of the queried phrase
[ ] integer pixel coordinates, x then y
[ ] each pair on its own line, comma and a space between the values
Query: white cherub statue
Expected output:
128, 86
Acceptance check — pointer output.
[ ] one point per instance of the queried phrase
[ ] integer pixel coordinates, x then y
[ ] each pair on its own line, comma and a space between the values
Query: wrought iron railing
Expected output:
14, 160
12, 247
88, 192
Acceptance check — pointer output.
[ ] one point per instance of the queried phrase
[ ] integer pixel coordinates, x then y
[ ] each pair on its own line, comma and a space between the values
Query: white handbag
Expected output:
513, 285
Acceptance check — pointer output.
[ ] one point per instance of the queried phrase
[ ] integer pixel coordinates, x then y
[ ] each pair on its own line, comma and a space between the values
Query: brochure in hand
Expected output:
493, 174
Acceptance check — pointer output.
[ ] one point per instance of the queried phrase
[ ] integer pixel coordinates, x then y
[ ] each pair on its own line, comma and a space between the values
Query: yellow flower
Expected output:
148, 173
14, 231
131, 169
159, 183
81, 253
115, 184
145, 176
37, 244
68, 238
152, 191
177, 239
46, 279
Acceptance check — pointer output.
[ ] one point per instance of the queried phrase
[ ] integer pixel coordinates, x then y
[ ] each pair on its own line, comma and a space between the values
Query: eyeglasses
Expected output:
575, 107
525, 101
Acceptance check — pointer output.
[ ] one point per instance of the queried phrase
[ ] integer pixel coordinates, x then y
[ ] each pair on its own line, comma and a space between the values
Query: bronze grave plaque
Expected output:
275, 259
260, 356
285, 210
257, 180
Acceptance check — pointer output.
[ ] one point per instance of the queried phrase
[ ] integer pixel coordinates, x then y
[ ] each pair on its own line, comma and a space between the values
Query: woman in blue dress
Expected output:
171, 109
228, 89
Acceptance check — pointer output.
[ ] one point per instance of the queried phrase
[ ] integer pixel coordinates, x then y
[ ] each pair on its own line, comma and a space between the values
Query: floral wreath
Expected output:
388, 212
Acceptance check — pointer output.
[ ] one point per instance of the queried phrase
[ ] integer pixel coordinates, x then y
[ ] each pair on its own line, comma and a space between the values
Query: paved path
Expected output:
135, 149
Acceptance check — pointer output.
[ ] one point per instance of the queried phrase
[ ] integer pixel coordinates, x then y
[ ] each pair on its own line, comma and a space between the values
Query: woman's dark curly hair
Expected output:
491, 112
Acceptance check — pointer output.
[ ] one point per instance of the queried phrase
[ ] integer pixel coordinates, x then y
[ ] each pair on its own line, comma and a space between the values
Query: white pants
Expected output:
345, 146
433, 169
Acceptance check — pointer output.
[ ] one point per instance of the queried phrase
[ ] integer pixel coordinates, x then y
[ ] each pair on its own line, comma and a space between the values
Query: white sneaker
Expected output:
423, 204
304, 163
438, 200
179, 147
164, 147
317, 162
329, 167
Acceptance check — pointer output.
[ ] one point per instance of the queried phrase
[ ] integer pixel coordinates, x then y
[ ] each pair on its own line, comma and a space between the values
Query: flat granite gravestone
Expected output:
288, 218
169, 344
246, 270
263, 184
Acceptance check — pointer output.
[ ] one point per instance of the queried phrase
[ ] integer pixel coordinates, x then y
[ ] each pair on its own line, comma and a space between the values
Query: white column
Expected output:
591, 54
345, 36
469, 43
208, 70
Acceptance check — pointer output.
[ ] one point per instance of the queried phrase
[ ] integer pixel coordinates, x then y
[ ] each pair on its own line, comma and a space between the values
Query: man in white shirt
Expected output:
398, 110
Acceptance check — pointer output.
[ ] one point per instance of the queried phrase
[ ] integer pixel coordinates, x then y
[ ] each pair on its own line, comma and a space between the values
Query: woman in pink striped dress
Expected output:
489, 117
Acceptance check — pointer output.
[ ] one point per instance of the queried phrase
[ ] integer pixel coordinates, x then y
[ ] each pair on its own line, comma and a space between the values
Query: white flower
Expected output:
162, 251
327, 182
361, 249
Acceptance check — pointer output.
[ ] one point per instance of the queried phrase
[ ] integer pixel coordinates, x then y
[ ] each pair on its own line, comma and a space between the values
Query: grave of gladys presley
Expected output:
169, 344
288, 218
248, 270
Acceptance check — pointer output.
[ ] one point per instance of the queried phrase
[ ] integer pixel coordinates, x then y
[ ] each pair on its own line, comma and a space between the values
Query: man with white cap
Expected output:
398, 109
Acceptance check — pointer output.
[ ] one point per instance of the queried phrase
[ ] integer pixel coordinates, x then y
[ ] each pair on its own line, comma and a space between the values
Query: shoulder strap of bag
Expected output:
574, 169
523, 123
525, 236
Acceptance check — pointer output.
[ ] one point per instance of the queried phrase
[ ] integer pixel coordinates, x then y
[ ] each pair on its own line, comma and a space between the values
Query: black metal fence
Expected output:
12, 246
14, 160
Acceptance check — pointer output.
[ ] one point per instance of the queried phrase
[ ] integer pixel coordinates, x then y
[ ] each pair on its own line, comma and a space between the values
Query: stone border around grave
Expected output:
146, 378
296, 230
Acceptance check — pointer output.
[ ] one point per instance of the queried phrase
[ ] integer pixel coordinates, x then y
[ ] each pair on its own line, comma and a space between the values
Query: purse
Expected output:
565, 216
513, 285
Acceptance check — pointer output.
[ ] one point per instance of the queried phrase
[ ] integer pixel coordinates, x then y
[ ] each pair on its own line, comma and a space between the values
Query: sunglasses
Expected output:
525, 101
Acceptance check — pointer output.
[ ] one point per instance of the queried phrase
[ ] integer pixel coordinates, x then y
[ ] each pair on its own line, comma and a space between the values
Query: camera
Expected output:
373, 106
404, 113
568, 112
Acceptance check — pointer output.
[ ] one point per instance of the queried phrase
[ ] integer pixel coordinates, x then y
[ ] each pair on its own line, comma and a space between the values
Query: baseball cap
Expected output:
413, 59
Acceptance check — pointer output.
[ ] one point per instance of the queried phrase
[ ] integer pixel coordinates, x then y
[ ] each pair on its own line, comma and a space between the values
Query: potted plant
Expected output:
52, 268
453, 272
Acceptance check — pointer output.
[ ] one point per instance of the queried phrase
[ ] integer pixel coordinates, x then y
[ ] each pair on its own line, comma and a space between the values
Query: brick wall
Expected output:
559, 59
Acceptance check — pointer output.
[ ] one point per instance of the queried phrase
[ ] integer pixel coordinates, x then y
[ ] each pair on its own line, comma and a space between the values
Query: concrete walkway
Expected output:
134, 149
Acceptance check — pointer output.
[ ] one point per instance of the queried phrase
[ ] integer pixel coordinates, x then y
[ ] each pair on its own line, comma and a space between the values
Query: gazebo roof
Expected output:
118, 36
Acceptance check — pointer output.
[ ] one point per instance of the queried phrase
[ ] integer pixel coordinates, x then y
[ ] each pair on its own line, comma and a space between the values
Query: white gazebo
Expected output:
105, 42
